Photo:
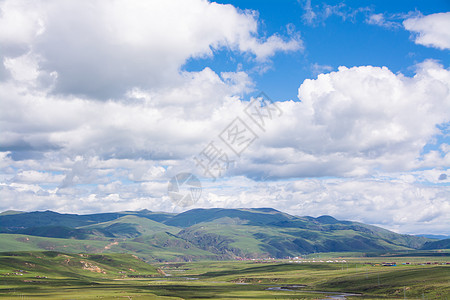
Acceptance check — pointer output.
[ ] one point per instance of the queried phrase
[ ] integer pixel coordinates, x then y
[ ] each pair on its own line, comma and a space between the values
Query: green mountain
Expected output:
441, 244
17, 220
254, 216
130, 226
198, 234
435, 236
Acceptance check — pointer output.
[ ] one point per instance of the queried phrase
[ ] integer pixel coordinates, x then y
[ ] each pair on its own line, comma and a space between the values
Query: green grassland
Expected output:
19, 242
56, 275
160, 246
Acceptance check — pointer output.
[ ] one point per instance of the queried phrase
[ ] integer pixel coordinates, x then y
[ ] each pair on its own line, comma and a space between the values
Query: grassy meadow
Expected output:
56, 275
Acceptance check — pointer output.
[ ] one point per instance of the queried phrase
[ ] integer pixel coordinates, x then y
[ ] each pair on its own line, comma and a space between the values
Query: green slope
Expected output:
270, 241
441, 244
18, 220
56, 265
252, 216
19, 242
161, 246
131, 226
50, 218
198, 234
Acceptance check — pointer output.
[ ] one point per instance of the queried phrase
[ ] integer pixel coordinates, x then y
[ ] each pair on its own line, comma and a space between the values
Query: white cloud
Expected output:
314, 15
104, 49
20, 23
166, 124
431, 30
32, 176
309, 15
348, 122
354, 121
380, 20
319, 69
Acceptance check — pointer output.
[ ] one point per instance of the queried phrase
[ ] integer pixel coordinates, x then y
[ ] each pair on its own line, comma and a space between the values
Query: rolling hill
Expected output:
65, 265
441, 244
197, 234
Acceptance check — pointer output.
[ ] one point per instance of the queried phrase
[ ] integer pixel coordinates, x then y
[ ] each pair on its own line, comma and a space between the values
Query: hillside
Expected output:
441, 244
130, 226
197, 234
84, 266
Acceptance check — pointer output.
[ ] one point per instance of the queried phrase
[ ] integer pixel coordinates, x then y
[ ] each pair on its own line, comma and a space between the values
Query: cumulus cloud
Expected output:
354, 121
103, 49
430, 30
348, 123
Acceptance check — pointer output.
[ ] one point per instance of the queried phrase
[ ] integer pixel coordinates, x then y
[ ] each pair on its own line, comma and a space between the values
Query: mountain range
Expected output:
200, 234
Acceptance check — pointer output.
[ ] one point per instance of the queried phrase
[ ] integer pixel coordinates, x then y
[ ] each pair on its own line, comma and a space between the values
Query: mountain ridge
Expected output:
216, 233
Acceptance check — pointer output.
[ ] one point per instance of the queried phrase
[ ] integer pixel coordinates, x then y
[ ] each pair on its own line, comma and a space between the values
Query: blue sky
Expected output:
107, 102
332, 41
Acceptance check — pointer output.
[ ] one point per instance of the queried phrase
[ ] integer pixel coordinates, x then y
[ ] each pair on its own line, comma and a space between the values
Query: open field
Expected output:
54, 275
